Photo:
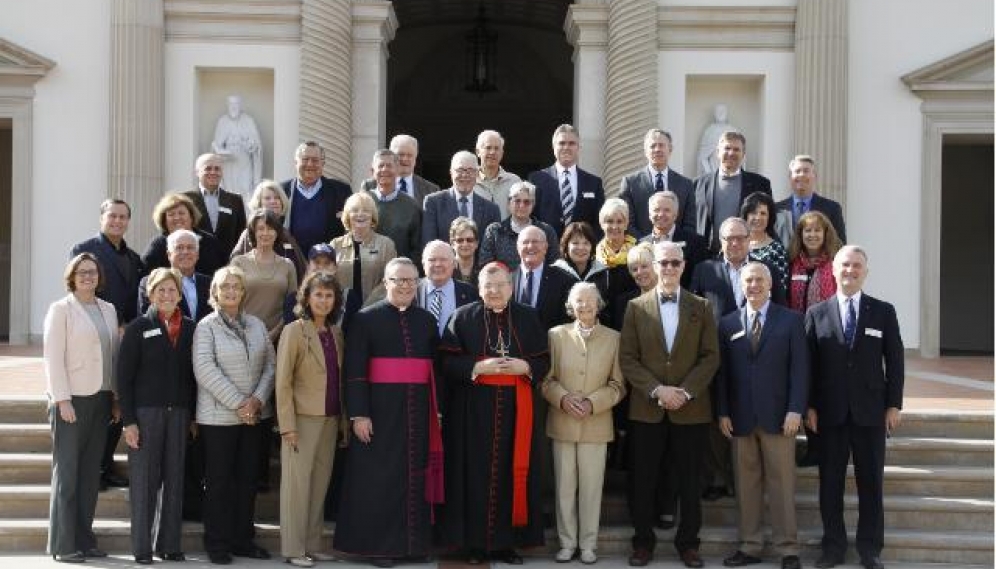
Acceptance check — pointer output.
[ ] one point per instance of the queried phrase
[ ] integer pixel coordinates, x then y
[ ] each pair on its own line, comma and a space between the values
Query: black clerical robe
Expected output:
479, 429
385, 509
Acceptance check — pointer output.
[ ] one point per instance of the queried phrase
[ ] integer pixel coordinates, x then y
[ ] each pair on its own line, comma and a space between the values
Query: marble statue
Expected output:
236, 139
707, 161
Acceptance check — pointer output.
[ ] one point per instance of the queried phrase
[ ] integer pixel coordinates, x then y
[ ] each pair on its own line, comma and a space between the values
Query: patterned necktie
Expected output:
436, 303
659, 186
850, 323
527, 292
800, 208
567, 197
755, 332
403, 186
463, 207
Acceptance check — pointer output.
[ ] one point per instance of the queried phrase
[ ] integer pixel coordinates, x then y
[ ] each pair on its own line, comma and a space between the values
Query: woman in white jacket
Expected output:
80, 353
234, 366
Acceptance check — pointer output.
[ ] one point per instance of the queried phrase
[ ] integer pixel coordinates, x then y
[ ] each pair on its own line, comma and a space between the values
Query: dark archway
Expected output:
427, 78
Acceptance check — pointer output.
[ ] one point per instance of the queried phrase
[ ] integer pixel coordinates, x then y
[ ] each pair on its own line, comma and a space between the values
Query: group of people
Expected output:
477, 349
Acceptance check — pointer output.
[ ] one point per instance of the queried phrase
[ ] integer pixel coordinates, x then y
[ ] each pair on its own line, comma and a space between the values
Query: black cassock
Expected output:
479, 425
383, 510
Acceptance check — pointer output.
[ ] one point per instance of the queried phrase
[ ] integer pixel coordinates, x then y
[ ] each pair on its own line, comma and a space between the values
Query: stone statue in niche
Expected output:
707, 161
236, 139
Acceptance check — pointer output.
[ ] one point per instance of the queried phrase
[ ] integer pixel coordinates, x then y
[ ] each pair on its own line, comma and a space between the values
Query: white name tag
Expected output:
873, 332
738, 335
588, 194
227, 210
288, 246
152, 333
803, 278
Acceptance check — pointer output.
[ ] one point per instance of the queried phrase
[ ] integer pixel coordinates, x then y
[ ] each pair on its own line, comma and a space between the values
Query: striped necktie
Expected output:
850, 323
436, 303
659, 186
567, 197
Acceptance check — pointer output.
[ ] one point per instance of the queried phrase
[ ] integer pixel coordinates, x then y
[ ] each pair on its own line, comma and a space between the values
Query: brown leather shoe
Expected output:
641, 557
690, 557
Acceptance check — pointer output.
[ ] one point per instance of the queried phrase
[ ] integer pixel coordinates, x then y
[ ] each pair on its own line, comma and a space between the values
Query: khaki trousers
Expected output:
304, 479
579, 469
764, 463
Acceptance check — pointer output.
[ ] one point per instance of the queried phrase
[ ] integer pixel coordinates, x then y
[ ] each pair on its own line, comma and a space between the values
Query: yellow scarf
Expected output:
605, 255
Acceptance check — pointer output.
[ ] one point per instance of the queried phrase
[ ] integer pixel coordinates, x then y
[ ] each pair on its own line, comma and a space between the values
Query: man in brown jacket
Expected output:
669, 354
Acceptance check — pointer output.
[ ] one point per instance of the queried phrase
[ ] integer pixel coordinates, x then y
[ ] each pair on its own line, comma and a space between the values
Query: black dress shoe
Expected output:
176, 556
827, 561
251, 551
74, 557
791, 562
144, 559
739, 559
114, 480
872, 562
475, 557
94, 552
508, 556
220, 557
691, 558
640, 557
382, 562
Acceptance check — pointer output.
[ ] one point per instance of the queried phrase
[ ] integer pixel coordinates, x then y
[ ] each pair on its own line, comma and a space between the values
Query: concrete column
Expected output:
135, 159
326, 104
631, 97
587, 29
374, 24
821, 92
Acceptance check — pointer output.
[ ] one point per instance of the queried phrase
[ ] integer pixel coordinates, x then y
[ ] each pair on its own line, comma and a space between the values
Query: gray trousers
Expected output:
155, 471
76, 452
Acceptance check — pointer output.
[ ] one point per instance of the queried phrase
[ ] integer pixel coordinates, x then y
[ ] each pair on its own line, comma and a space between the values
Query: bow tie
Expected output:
665, 298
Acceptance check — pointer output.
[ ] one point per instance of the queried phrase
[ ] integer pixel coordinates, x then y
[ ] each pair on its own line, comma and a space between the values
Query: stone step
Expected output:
36, 468
946, 423
948, 452
961, 481
954, 547
33, 438
24, 409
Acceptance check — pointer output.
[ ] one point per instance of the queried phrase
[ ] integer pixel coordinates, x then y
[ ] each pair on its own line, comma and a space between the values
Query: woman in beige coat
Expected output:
362, 253
309, 410
583, 385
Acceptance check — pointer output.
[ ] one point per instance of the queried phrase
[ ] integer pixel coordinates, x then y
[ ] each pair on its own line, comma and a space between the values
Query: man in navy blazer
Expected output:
664, 212
804, 198
565, 184
438, 292
636, 188
183, 251
761, 396
550, 285
855, 402
442, 207
316, 201
223, 213
719, 194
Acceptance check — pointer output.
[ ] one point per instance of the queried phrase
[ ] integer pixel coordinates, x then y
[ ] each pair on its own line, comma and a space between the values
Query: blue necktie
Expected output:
463, 207
659, 186
403, 186
527, 293
851, 323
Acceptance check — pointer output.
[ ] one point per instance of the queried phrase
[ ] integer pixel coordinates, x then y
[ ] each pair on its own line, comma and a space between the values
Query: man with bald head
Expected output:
539, 285
439, 292
460, 200
408, 182
223, 213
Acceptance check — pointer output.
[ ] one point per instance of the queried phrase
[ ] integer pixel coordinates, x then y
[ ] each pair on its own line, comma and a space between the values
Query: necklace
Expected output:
585, 332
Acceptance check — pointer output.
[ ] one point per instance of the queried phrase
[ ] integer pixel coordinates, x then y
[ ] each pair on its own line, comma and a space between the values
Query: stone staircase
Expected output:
938, 503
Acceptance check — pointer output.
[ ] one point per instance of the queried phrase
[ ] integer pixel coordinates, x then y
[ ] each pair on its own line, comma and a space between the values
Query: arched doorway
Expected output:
428, 76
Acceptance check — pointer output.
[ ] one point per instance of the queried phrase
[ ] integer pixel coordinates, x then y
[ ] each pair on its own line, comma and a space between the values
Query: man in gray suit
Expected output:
460, 200
804, 198
636, 188
408, 182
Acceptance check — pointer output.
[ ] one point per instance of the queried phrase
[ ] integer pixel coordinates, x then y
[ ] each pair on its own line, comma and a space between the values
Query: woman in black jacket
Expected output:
156, 389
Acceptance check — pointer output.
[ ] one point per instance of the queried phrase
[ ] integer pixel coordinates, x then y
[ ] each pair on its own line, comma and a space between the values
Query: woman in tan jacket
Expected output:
309, 411
583, 385
362, 253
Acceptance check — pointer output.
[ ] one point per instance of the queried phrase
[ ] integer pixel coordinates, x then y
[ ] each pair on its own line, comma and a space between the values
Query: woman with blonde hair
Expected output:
361, 253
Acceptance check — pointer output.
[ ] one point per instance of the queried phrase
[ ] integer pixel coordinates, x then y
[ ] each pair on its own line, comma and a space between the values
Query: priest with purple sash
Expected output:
494, 354
394, 474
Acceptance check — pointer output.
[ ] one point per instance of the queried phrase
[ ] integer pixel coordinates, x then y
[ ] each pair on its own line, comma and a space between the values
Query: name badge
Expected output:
374, 251
588, 195
288, 246
222, 209
738, 335
873, 332
803, 278
152, 333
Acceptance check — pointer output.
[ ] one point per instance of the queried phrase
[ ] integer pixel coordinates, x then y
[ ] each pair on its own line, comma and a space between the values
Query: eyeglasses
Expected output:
87, 273
230, 286
521, 202
673, 263
734, 238
465, 171
462, 240
406, 281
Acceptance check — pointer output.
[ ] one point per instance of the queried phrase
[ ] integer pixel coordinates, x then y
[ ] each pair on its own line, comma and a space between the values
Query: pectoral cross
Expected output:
501, 349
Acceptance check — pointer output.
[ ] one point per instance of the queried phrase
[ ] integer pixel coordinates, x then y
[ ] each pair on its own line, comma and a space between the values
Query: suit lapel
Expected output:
650, 303
864, 313
684, 314
833, 310
315, 350
110, 253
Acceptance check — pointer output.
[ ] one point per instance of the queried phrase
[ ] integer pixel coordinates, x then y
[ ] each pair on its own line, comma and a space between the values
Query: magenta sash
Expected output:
417, 370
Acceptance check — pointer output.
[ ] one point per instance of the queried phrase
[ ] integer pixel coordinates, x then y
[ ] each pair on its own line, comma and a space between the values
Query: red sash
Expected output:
417, 370
523, 439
